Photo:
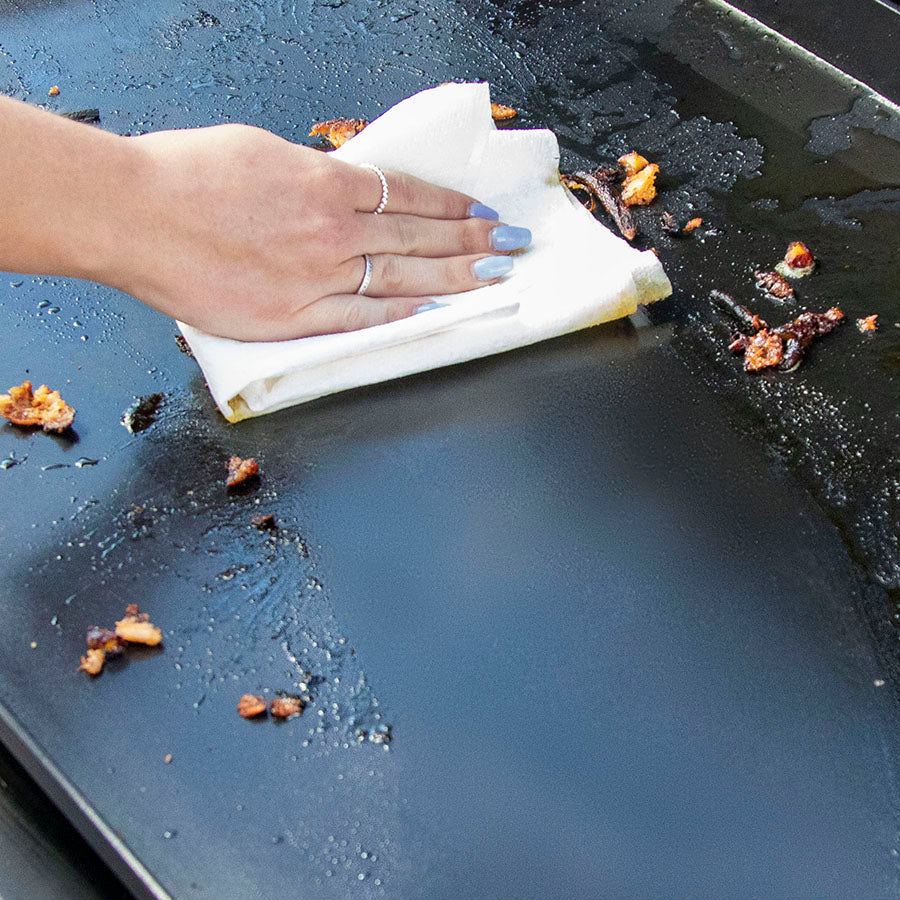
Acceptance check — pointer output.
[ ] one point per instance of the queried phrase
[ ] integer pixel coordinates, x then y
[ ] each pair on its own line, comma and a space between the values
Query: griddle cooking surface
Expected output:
624, 611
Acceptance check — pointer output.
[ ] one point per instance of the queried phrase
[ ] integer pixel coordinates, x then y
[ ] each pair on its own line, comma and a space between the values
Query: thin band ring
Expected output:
384, 186
367, 275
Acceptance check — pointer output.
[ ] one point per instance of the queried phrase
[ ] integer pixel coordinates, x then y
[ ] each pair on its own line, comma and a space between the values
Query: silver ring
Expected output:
384, 186
367, 275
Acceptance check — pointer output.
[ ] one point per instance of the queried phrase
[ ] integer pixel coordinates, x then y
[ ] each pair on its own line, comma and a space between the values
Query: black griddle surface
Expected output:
625, 611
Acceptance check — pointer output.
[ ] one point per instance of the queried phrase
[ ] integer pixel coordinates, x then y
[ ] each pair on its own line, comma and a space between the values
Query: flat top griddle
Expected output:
624, 611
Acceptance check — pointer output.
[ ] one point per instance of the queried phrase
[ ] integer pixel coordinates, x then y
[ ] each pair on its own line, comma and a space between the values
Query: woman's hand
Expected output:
245, 235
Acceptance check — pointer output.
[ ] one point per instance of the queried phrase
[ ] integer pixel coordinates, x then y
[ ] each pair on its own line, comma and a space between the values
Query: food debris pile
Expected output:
869, 323
338, 131
501, 113
41, 408
773, 283
240, 470
639, 186
798, 261
250, 706
104, 643
782, 346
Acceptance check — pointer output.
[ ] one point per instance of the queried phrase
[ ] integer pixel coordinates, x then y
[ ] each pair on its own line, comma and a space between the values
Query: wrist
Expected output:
114, 215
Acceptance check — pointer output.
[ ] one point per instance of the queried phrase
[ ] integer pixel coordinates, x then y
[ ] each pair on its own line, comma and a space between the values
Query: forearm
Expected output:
65, 190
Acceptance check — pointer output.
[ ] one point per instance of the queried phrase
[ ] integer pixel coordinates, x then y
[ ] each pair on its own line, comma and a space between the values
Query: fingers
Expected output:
394, 275
414, 236
412, 196
350, 312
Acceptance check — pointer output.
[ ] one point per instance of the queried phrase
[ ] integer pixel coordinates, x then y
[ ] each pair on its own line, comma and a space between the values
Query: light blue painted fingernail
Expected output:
480, 211
510, 237
427, 306
491, 267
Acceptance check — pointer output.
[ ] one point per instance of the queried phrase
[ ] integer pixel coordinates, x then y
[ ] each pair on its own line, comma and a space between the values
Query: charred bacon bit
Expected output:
762, 351
774, 284
250, 706
264, 522
43, 407
92, 662
869, 323
692, 224
573, 185
741, 313
499, 112
338, 131
136, 628
104, 639
798, 261
670, 224
239, 470
640, 189
285, 707
632, 163
183, 345
602, 185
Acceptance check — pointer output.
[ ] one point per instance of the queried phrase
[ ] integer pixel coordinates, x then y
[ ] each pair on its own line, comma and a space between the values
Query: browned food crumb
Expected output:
42, 407
869, 323
136, 628
92, 663
691, 224
669, 223
104, 639
168, 758
264, 522
632, 163
54, 91
250, 706
239, 470
798, 256
763, 350
285, 707
775, 284
183, 345
338, 131
640, 189
499, 112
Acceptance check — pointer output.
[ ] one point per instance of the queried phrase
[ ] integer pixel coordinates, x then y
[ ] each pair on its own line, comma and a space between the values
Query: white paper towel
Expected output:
576, 273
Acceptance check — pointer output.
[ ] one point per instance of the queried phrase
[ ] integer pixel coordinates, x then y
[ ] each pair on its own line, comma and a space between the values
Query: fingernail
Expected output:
510, 237
480, 211
491, 267
427, 306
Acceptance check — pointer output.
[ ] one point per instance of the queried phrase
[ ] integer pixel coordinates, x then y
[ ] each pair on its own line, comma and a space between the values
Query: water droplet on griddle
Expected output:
84, 461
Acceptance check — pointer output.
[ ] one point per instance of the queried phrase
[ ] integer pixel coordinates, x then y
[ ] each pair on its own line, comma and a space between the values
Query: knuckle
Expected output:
354, 315
405, 234
390, 275
399, 191
474, 236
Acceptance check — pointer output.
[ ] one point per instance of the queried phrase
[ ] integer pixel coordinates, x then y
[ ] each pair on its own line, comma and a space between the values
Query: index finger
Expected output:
413, 196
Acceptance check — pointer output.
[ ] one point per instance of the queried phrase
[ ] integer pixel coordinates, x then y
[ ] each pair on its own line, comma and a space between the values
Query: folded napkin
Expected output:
576, 273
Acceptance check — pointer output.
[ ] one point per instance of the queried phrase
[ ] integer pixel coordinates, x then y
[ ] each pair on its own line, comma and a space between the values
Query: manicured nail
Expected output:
491, 267
427, 306
480, 211
510, 237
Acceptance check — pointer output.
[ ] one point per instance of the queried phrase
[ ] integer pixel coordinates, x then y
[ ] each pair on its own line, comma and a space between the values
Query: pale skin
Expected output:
228, 228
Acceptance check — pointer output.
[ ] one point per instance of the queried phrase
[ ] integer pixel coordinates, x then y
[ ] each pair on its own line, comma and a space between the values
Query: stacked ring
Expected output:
384, 186
367, 275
